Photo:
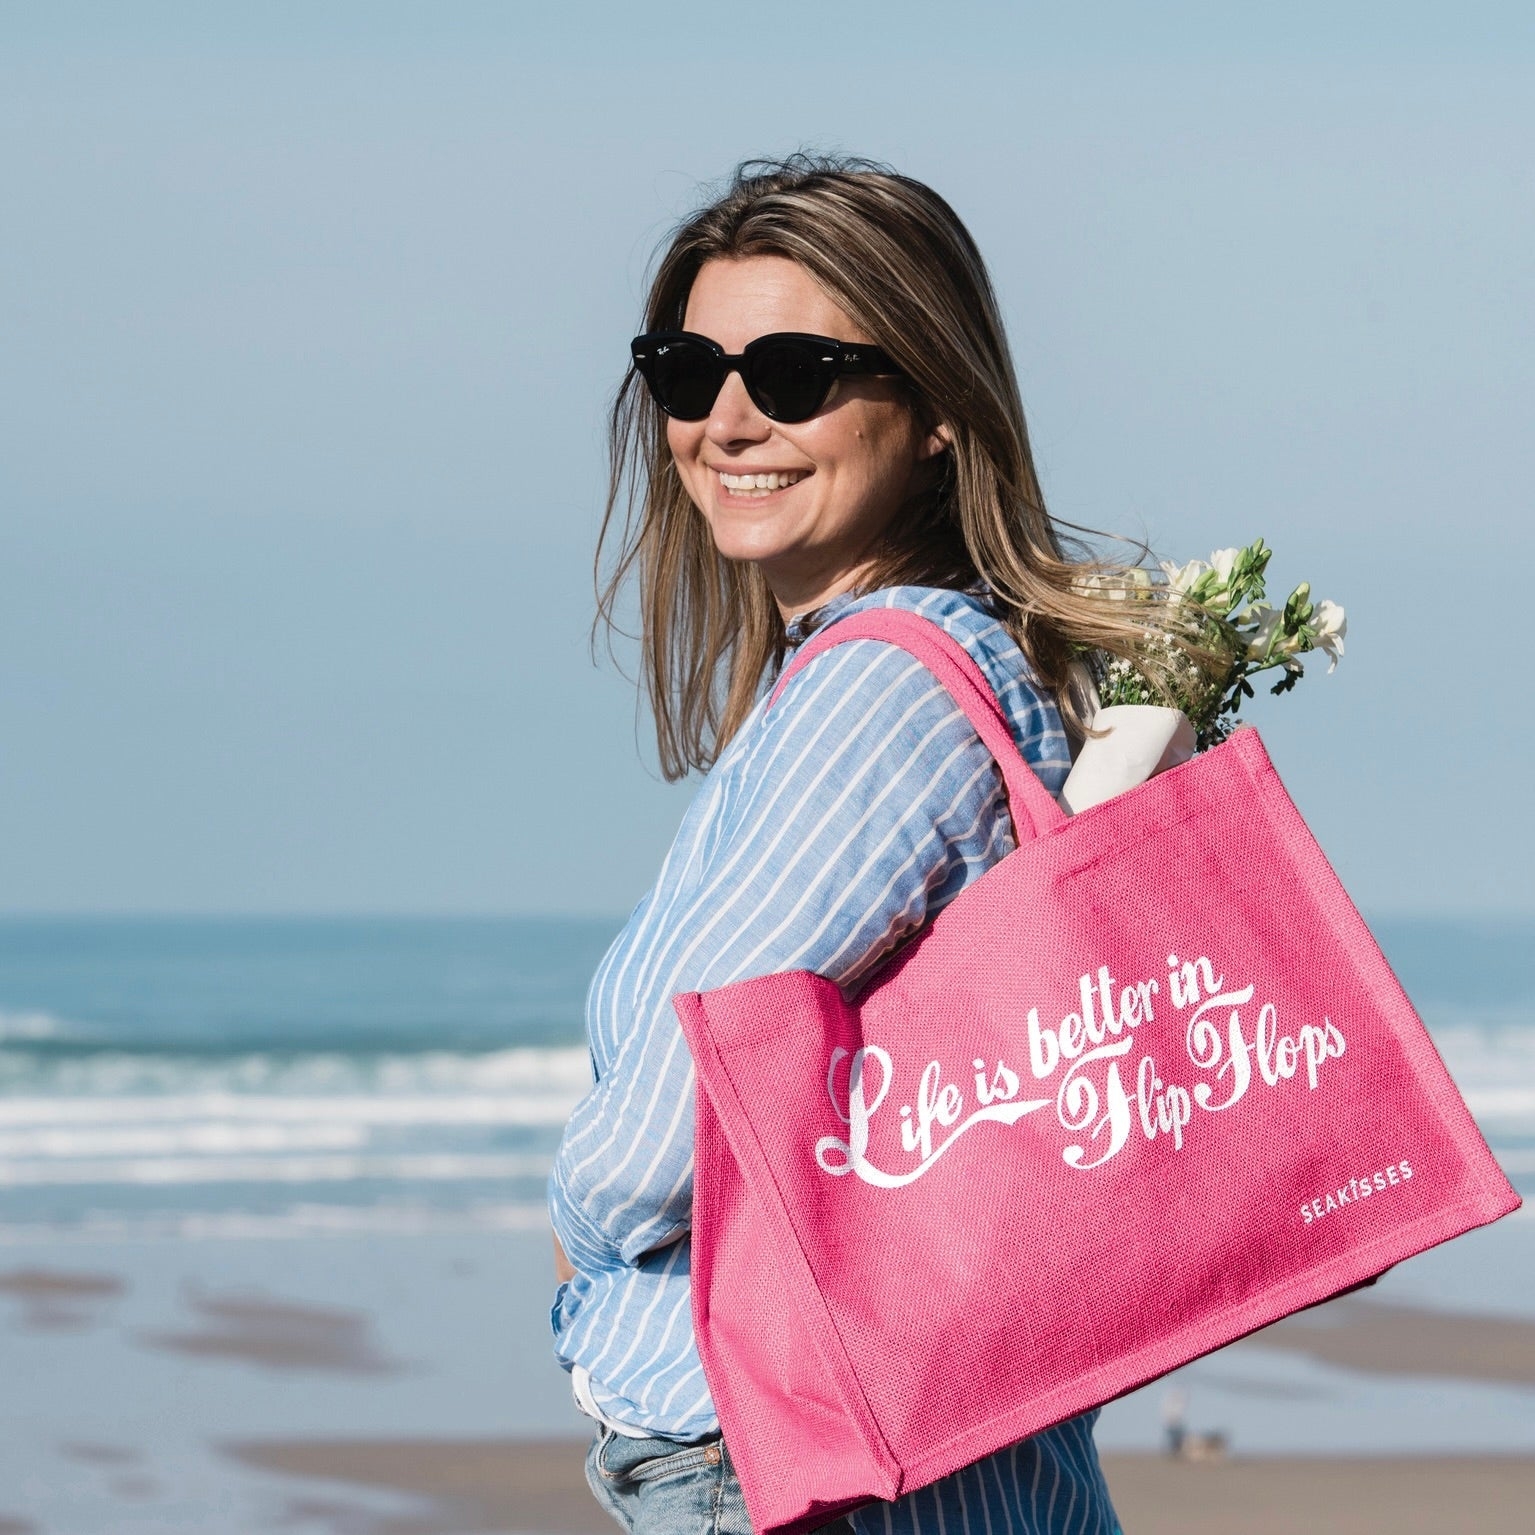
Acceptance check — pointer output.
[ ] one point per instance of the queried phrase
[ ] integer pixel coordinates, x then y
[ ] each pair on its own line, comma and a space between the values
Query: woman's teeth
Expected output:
760, 484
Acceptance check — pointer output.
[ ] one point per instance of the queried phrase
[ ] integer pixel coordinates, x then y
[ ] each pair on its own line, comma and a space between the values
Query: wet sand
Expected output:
508, 1484
283, 1386
1375, 1496
538, 1486
59, 1300
250, 1326
275, 1334
1382, 1338
1375, 1337
518, 1485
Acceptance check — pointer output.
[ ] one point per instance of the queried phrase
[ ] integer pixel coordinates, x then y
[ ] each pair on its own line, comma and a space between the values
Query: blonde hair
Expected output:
896, 258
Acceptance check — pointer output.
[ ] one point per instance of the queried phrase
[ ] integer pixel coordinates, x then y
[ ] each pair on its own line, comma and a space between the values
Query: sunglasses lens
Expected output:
789, 379
685, 378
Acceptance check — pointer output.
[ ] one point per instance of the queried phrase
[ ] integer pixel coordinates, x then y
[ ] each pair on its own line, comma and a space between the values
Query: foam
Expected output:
299, 1220
552, 1108
100, 1073
167, 1140
31, 1026
415, 1167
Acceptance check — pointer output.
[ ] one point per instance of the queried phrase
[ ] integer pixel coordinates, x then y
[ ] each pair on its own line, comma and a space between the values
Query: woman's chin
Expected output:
745, 541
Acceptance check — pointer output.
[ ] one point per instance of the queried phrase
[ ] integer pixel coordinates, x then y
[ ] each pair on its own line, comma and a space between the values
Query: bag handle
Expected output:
1029, 801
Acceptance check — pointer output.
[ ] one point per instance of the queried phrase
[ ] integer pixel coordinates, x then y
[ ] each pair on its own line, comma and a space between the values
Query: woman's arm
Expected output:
860, 803
563, 1268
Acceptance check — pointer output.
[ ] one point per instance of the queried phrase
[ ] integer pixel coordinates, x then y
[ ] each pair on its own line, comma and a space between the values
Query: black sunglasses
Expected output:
787, 375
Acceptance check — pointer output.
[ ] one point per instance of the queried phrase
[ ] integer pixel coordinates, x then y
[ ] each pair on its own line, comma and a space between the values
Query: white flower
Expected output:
1331, 624
1118, 584
1268, 621
1182, 578
1223, 562
1127, 583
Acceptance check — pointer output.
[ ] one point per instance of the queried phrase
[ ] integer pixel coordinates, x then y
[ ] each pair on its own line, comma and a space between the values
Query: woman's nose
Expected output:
735, 418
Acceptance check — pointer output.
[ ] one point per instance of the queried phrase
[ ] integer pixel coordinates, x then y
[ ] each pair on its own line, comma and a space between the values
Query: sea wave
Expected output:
417, 1109
92, 1124
1489, 1053
201, 1138
1494, 1068
421, 1167
561, 1070
1501, 1106
195, 1139
306, 1219
33, 1027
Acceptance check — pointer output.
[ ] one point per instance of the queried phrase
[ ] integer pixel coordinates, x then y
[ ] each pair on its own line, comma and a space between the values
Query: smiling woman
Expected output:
808, 501
822, 418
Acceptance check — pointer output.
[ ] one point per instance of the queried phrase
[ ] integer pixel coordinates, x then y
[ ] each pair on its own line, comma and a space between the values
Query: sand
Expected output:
263, 1334
509, 1484
59, 1300
538, 1486
517, 1485
1323, 1497
1381, 1338
277, 1335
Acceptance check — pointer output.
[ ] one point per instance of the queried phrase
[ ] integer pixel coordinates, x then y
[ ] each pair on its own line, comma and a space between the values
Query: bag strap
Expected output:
1031, 804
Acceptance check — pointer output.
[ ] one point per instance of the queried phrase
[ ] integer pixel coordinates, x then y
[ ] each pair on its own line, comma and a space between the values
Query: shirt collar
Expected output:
802, 625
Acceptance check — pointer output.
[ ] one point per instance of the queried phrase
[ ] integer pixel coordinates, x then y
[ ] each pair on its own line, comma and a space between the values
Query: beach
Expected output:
274, 1256
528, 1486
390, 1385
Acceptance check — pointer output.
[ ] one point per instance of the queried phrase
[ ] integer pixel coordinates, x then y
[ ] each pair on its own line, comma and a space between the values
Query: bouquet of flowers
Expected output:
1184, 690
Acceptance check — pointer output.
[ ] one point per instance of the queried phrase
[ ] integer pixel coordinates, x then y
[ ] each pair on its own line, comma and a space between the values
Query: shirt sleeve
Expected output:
860, 804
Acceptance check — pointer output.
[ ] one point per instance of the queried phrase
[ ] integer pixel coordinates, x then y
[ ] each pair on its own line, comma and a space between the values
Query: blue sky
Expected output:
310, 314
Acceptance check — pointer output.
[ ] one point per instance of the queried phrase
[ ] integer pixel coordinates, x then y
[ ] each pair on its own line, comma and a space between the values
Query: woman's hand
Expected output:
564, 1270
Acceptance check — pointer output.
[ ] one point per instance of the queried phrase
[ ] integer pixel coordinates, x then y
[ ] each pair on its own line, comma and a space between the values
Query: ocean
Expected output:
233, 1076
260, 1076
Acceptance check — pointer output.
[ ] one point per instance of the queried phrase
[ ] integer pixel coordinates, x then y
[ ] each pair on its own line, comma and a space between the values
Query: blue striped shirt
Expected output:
830, 829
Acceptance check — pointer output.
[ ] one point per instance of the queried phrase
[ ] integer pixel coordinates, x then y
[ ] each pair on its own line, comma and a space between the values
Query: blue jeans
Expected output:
661, 1487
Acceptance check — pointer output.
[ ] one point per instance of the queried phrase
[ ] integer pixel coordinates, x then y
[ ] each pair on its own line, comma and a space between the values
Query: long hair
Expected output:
896, 258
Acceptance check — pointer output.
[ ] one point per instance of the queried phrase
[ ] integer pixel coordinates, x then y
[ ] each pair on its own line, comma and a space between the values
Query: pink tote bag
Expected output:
1145, 1086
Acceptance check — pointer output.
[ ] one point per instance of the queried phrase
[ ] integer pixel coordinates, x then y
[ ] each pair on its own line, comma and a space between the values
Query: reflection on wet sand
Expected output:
100, 1454
520, 1484
59, 1300
1380, 1338
276, 1335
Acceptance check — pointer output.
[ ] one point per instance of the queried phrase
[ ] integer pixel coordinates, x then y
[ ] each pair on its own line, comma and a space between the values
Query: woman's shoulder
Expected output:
967, 615
969, 618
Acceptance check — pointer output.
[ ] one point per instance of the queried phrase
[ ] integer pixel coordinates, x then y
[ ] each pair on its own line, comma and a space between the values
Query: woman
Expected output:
781, 485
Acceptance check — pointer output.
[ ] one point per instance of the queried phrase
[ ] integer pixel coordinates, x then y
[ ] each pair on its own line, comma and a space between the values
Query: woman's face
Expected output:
842, 475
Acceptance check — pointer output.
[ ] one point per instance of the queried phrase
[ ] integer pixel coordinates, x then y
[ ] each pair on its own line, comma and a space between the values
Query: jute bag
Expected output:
1145, 1086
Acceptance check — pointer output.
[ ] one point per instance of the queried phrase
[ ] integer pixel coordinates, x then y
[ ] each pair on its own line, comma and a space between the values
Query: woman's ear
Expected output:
937, 441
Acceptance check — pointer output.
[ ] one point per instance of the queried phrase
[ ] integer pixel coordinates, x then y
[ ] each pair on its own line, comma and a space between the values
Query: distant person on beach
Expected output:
822, 418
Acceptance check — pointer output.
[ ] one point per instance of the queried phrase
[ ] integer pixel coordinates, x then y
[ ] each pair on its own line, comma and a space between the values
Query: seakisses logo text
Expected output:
1355, 1191
1076, 1067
